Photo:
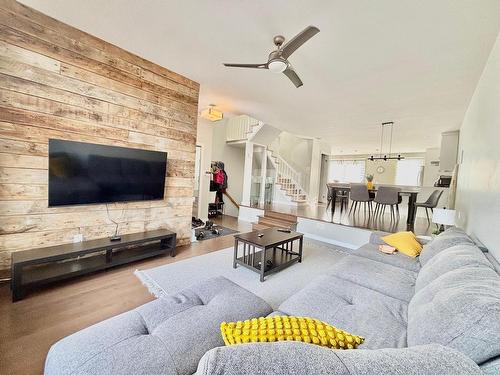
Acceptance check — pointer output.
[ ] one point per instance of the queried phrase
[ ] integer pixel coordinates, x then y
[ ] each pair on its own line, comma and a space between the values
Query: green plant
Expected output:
369, 177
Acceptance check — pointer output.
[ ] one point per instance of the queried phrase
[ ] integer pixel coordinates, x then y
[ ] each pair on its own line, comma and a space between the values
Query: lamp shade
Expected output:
443, 216
212, 114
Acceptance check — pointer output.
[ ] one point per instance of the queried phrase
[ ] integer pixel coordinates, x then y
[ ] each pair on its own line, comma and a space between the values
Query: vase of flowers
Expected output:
369, 181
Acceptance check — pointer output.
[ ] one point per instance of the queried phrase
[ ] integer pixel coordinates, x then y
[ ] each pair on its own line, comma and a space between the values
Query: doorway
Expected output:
197, 177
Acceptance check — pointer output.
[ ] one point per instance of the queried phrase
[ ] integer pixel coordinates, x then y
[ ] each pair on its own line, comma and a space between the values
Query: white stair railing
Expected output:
290, 180
238, 128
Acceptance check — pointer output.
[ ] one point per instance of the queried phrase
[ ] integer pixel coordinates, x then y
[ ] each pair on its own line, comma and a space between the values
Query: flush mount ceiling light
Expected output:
212, 114
382, 156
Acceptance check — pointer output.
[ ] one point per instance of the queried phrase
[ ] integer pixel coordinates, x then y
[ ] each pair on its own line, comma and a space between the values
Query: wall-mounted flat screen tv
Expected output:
84, 173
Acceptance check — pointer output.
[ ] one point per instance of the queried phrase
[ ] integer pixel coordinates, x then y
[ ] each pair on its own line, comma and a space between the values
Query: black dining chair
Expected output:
329, 195
342, 196
431, 203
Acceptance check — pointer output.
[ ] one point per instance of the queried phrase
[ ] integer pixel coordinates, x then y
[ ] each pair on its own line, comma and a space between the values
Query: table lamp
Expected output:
442, 217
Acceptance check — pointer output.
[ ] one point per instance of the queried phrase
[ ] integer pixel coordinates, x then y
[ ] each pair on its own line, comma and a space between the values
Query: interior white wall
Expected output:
318, 149
204, 138
234, 160
478, 192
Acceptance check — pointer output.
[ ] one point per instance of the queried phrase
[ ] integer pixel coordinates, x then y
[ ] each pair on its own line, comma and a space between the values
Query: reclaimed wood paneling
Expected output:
59, 82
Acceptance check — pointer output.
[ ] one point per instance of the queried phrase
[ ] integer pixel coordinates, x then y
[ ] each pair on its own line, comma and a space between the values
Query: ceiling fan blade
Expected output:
256, 66
298, 40
290, 73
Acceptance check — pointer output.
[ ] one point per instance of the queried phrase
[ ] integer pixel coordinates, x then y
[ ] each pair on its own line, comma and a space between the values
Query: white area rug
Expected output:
318, 257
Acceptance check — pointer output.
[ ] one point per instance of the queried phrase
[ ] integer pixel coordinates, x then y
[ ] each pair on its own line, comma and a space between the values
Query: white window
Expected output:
409, 172
346, 170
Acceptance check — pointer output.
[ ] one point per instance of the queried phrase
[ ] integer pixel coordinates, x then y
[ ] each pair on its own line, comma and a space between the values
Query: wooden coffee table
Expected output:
267, 251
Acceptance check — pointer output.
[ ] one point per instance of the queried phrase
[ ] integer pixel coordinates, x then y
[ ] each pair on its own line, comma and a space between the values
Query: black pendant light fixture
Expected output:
388, 156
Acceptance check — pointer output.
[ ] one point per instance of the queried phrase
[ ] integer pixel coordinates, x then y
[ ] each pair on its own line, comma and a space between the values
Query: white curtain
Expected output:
346, 170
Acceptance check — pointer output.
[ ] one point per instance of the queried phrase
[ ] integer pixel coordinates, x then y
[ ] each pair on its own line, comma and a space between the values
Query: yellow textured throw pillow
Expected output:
288, 328
404, 242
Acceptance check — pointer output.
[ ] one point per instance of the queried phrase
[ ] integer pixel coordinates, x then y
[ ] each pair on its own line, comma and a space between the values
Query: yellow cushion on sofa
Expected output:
288, 328
404, 242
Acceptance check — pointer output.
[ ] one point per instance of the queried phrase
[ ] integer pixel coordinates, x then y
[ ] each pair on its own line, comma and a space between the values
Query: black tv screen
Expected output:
83, 173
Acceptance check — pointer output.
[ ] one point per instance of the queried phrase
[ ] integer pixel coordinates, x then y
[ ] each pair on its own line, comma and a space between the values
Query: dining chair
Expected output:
387, 196
343, 196
431, 203
329, 195
359, 194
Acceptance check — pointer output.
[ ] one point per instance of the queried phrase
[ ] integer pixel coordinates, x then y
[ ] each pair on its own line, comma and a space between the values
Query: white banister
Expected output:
288, 177
238, 128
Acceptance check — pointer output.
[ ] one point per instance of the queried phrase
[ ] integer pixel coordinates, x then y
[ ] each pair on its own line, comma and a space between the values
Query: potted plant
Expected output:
369, 181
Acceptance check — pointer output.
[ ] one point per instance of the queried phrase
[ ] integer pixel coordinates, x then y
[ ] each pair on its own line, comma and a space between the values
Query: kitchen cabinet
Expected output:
449, 152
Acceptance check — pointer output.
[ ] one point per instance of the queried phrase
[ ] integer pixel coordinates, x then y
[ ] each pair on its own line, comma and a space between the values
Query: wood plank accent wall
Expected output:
59, 82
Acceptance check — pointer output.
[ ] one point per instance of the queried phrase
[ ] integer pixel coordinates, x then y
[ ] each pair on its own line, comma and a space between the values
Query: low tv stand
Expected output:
36, 267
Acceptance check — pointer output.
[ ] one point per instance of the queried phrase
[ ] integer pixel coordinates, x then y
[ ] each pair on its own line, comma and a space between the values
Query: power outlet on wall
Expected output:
78, 238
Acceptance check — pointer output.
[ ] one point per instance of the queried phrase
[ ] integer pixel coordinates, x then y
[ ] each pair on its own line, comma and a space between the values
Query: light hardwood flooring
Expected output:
29, 327
361, 219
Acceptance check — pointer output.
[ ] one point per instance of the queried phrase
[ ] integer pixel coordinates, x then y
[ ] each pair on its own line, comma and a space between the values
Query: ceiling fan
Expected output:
278, 60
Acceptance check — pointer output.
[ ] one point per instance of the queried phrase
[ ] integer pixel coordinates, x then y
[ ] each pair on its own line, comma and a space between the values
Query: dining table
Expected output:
410, 191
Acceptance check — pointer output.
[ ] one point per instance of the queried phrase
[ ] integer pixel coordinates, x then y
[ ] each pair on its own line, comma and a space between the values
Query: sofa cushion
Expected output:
304, 359
450, 237
166, 336
460, 309
380, 319
371, 251
386, 279
458, 256
404, 242
288, 328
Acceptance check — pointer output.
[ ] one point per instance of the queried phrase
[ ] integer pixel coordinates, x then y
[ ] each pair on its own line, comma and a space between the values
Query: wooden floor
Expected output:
361, 219
29, 327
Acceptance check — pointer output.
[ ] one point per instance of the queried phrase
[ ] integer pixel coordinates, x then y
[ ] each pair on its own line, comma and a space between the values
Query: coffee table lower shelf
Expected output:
267, 251
280, 259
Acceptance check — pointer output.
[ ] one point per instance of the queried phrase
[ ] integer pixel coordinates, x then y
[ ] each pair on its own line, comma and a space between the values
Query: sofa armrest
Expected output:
306, 359
424, 240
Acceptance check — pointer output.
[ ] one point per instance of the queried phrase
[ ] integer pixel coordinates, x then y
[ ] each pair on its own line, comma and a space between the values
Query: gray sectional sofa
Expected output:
436, 314
167, 336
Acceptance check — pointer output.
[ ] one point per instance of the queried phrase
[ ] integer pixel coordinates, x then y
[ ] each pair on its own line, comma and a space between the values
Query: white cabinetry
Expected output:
449, 152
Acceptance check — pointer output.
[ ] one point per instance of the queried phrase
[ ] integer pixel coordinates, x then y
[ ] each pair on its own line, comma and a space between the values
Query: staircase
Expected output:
289, 182
287, 179
272, 219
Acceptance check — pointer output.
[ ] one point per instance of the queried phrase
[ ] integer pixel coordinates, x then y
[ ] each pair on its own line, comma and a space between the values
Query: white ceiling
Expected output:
413, 62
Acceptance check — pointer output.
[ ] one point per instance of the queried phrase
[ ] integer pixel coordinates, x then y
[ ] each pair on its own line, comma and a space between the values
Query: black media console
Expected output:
37, 267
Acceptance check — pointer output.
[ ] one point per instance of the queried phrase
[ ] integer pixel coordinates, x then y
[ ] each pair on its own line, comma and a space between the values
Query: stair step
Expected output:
275, 223
257, 226
280, 216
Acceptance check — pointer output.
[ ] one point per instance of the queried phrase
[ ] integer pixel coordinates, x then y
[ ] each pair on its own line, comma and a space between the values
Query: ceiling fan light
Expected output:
277, 66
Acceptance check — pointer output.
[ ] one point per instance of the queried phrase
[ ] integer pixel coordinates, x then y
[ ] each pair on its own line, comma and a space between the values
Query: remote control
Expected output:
285, 230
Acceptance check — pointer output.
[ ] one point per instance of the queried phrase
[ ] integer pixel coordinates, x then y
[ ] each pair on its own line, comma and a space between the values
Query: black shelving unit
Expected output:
37, 267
